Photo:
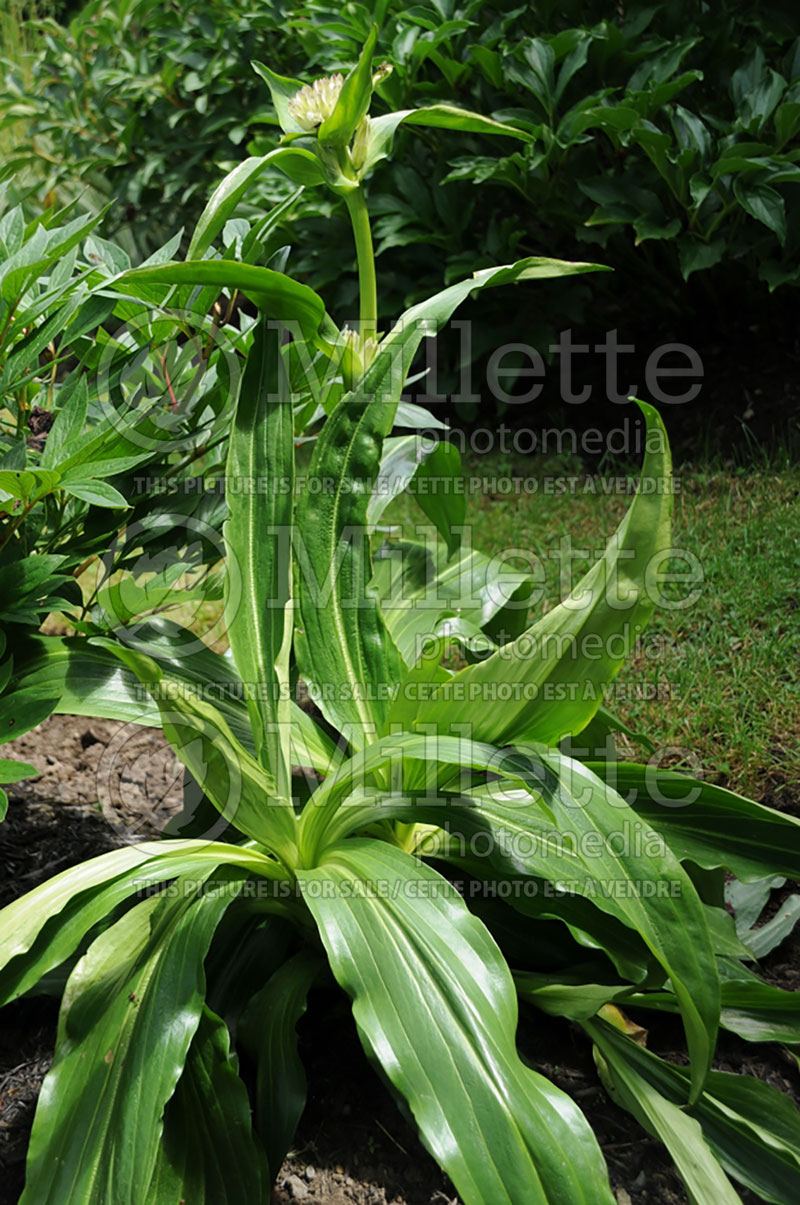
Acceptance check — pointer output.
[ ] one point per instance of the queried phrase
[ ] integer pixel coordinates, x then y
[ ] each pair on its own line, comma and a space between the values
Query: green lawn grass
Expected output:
716, 684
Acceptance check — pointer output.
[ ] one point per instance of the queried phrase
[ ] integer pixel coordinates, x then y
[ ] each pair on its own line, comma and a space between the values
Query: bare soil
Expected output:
103, 784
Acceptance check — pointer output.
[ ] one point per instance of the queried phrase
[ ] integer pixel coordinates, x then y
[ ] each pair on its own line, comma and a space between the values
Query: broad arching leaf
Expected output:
435, 1006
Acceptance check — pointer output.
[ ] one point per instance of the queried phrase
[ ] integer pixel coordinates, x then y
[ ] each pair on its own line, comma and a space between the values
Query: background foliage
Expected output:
665, 136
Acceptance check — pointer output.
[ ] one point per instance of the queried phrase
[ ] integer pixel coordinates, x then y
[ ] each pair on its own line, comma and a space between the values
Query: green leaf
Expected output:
97, 493
16, 771
569, 993
757, 1011
763, 203
268, 1027
241, 790
130, 1009
435, 1006
354, 99
753, 1130
554, 675
278, 295
258, 535
419, 586
29, 485
282, 90
402, 457
343, 650
41, 929
95, 683
13, 771
787, 120
230, 191
762, 940
682, 1135
208, 1154
707, 824
697, 256
438, 496
73, 402
24, 709
440, 117
579, 833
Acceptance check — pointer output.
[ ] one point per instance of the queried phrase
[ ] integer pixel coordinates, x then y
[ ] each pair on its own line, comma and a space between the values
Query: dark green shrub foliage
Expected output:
667, 135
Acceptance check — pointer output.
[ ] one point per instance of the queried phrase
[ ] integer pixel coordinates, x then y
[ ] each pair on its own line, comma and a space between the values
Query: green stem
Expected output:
367, 286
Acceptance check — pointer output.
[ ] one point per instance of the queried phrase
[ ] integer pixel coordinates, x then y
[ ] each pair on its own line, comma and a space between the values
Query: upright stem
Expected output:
367, 287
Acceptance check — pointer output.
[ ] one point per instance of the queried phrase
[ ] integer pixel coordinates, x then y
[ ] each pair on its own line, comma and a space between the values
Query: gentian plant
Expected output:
422, 839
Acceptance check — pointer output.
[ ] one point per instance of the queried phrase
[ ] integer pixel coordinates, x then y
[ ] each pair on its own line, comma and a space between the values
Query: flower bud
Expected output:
361, 143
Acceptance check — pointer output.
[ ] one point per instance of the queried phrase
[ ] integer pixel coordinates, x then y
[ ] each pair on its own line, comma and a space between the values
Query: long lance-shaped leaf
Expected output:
529, 895
754, 1010
435, 1006
575, 650
707, 824
753, 1129
260, 495
396, 758
675, 927
443, 117
43, 928
241, 790
268, 1027
93, 682
337, 129
229, 192
130, 1010
344, 651
276, 294
569, 993
208, 1154
682, 1135
239, 787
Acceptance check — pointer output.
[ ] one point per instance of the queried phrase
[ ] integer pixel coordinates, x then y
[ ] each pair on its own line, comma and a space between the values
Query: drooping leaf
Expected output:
279, 296
230, 191
753, 1130
443, 117
268, 1027
681, 1134
435, 1006
708, 824
130, 1009
208, 1154
41, 929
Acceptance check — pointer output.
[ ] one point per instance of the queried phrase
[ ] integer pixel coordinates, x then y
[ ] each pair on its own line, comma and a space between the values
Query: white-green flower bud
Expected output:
358, 353
361, 143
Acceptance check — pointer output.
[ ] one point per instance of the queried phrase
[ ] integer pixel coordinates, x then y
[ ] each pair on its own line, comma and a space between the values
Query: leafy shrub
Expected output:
116, 92
332, 845
666, 136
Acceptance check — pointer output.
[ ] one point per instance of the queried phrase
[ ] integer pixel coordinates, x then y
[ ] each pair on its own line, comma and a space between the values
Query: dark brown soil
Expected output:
353, 1146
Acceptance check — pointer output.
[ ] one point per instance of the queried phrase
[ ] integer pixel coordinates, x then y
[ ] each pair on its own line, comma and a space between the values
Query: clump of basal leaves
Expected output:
605, 895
